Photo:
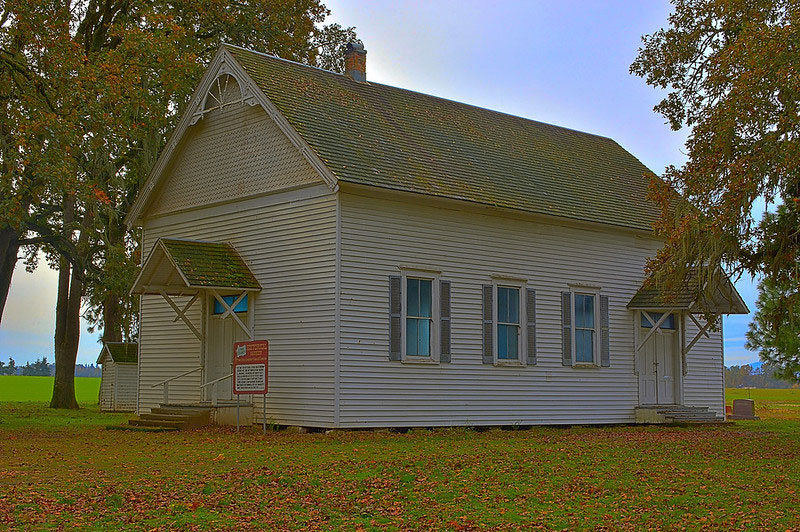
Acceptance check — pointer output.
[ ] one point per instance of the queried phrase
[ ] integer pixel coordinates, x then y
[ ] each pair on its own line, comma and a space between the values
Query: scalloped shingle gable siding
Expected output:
232, 153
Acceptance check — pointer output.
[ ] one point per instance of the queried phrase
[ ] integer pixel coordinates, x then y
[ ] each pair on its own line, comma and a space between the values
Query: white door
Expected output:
657, 368
222, 334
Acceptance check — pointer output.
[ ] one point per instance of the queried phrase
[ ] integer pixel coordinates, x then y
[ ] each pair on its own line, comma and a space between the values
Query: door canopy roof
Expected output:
184, 267
717, 294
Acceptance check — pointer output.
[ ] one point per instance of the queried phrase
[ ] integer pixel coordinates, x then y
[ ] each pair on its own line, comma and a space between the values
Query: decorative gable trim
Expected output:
222, 64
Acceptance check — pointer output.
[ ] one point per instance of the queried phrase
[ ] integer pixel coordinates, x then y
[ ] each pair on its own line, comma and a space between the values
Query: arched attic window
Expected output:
224, 91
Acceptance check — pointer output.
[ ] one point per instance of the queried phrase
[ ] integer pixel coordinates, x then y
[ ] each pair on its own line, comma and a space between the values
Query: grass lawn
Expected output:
79, 475
22, 388
769, 403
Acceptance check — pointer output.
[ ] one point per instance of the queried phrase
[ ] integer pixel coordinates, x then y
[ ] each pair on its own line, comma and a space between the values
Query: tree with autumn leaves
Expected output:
731, 69
89, 91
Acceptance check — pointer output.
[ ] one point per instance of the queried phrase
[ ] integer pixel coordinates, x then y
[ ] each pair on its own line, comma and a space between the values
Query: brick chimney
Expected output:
355, 61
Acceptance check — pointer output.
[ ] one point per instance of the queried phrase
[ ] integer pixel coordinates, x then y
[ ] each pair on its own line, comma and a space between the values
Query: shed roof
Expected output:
373, 134
120, 352
177, 265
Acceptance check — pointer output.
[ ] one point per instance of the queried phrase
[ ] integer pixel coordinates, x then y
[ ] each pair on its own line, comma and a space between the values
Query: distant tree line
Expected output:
761, 377
41, 367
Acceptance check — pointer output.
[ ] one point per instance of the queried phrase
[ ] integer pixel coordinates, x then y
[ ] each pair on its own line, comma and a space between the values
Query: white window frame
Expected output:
589, 291
435, 316
522, 336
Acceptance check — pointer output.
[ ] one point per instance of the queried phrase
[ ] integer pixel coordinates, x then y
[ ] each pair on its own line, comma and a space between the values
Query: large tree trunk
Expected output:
67, 336
112, 319
9, 246
68, 318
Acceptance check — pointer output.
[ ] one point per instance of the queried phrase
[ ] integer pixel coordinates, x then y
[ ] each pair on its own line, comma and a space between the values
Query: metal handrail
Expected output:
213, 384
176, 377
217, 380
166, 382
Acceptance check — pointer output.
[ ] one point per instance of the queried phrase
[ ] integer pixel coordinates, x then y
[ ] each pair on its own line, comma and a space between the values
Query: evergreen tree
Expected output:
775, 329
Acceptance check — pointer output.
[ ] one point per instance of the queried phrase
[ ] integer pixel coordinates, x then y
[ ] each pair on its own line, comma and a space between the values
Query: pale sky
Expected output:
564, 63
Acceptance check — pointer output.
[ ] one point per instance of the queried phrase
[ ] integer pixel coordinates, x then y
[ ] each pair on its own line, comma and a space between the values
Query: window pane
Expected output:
411, 337
507, 342
412, 299
502, 342
513, 342
424, 344
669, 323
584, 345
425, 298
513, 305
241, 307
584, 311
502, 304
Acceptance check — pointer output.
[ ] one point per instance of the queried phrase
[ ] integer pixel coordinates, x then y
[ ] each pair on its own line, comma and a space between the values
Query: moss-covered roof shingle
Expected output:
210, 264
382, 136
121, 352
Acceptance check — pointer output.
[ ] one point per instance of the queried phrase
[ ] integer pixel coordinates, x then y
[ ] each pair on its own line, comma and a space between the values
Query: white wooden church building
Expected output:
413, 261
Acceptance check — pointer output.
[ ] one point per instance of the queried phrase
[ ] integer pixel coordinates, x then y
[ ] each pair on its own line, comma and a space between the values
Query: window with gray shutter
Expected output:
395, 317
444, 316
605, 347
566, 328
488, 324
530, 303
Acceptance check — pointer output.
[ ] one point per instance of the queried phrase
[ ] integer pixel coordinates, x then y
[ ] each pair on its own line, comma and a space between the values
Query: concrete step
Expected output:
157, 423
175, 417
681, 409
159, 416
693, 417
133, 428
188, 410
715, 419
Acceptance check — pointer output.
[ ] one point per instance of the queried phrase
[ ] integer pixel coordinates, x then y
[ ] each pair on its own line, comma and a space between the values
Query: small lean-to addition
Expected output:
119, 379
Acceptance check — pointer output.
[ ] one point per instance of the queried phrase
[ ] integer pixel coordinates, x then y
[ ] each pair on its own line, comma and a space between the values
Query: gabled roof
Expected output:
721, 297
377, 135
120, 352
184, 266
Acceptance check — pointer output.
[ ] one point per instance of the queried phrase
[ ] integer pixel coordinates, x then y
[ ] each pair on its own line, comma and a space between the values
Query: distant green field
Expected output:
769, 403
14, 388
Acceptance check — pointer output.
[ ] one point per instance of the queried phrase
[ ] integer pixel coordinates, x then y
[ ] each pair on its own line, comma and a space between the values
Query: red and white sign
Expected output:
250, 362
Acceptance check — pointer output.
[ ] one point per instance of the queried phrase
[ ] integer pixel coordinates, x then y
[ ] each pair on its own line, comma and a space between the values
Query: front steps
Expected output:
676, 414
175, 417
690, 414
195, 415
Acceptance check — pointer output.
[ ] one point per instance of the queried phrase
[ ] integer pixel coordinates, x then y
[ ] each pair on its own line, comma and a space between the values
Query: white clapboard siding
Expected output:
704, 382
167, 348
232, 153
118, 386
126, 387
380, 235
289, 242
107, 384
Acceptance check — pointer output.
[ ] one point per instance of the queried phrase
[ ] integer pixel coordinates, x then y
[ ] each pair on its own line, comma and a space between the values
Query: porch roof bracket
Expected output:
182, 314
703, 331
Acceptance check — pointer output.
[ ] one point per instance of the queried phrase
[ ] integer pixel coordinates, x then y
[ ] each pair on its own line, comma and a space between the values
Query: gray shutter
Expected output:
566, 325
444, 316
531, 312
395, 317
488, 324
605, 348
